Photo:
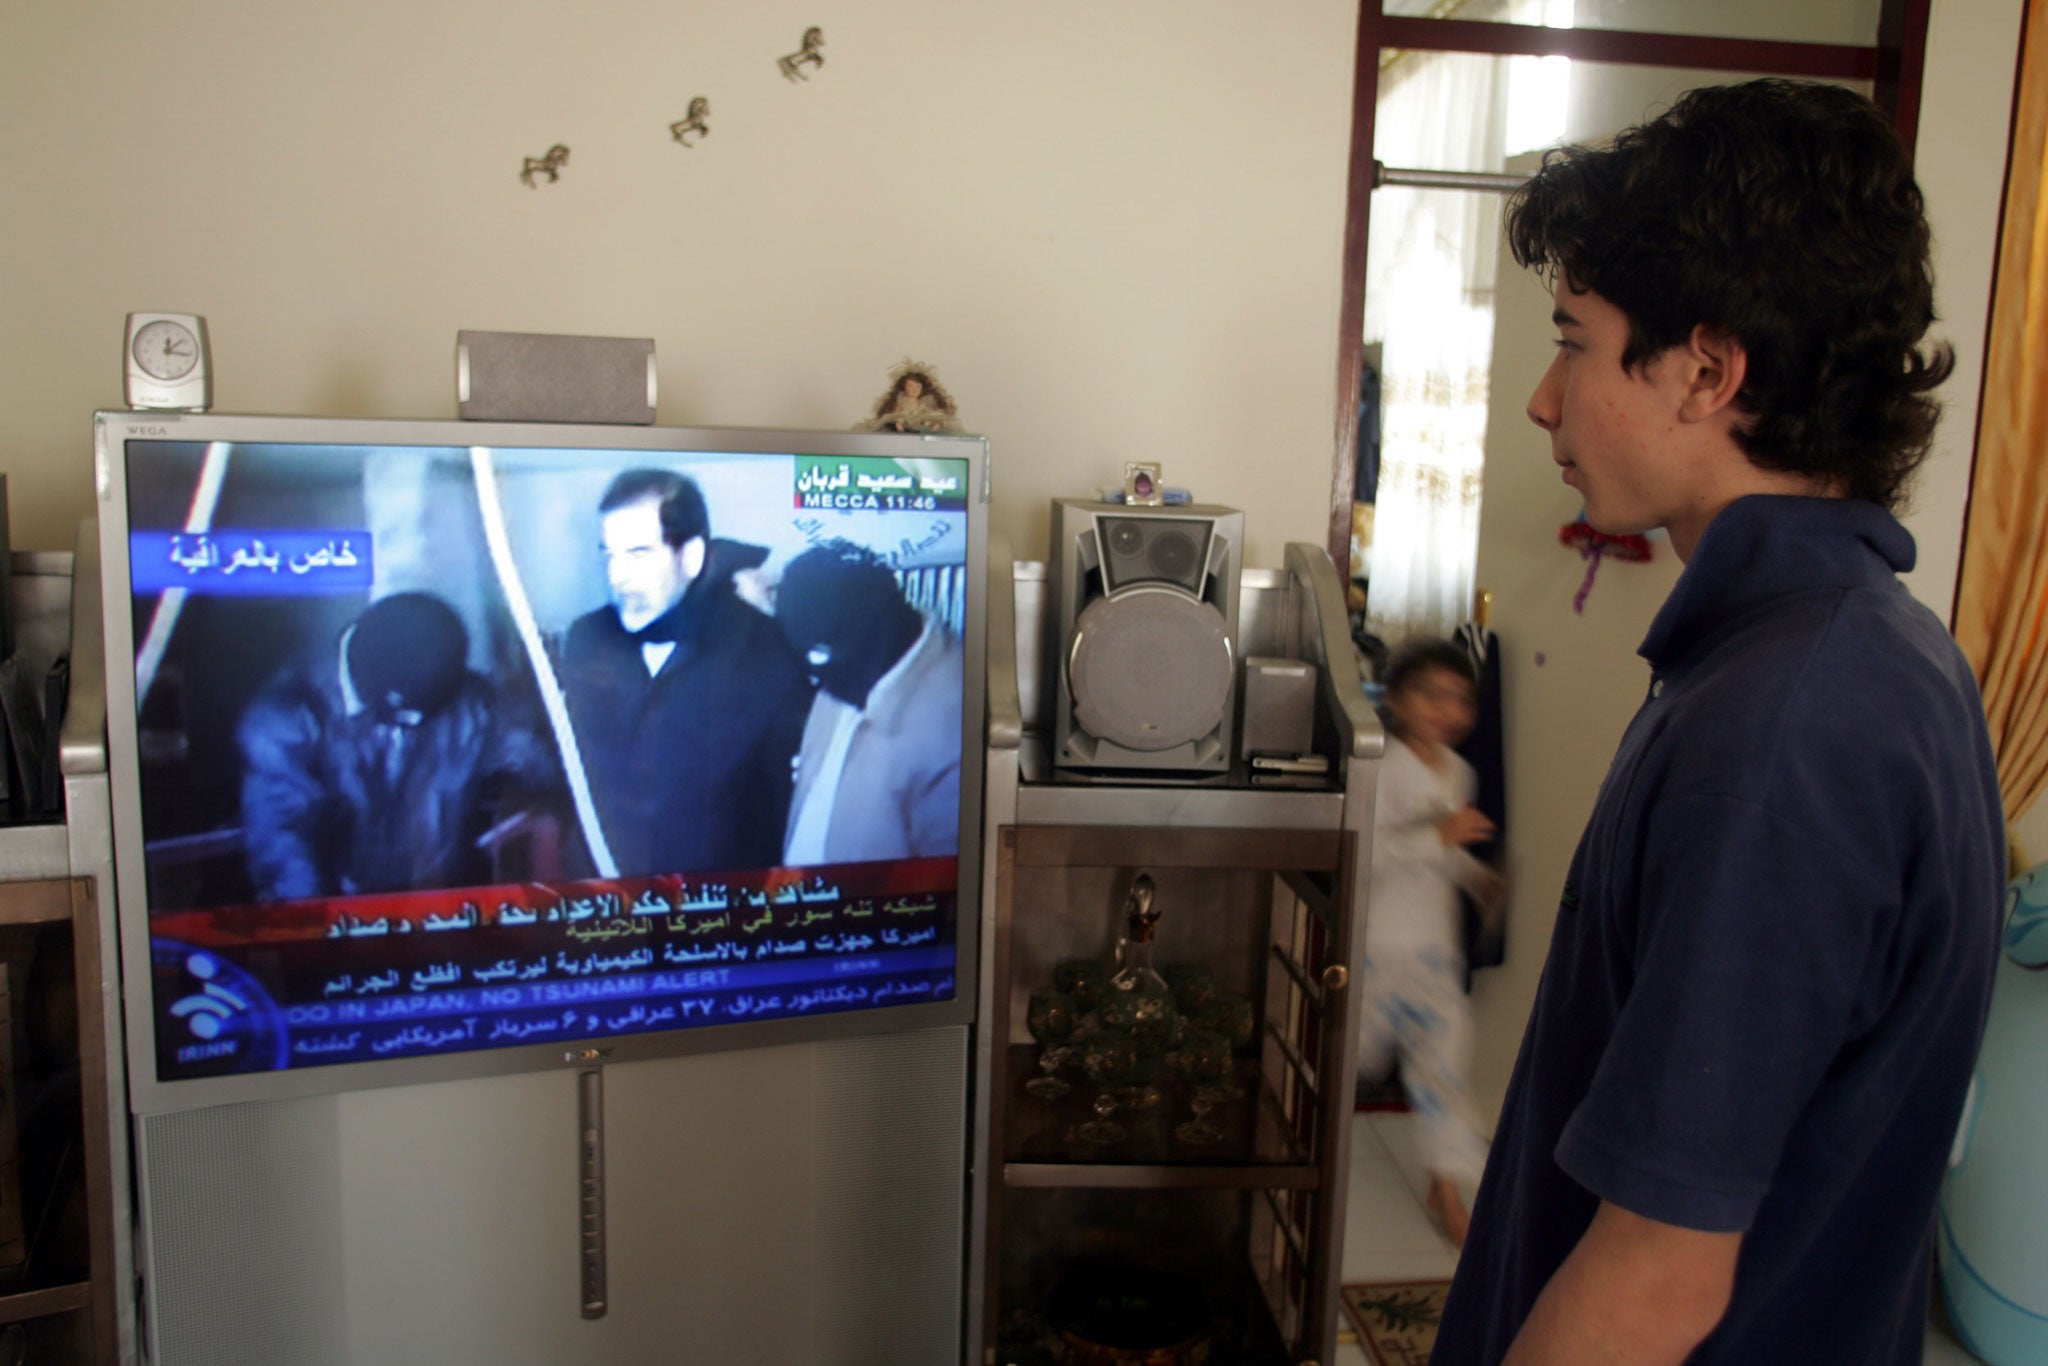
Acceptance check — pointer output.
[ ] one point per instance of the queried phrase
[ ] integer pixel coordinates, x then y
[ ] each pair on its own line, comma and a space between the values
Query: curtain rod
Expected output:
1383, 174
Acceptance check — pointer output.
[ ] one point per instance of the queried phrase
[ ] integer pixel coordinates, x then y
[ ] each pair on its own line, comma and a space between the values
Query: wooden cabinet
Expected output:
1262, 887
1250, 1219
56, 1233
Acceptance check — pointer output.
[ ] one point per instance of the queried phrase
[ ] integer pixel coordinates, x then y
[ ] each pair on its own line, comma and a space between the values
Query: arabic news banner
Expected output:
701, 949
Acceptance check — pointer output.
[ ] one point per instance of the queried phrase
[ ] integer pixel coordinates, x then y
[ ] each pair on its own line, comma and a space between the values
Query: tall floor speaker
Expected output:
1143, 606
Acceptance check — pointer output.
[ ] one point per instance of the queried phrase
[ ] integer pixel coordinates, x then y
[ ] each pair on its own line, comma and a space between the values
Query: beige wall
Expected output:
1115, 229
1574, 680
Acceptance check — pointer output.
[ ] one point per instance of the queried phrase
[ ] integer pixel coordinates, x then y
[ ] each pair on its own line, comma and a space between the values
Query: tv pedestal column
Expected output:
1266, 888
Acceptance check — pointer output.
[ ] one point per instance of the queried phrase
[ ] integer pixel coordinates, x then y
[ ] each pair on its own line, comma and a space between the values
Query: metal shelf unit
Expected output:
1263, 886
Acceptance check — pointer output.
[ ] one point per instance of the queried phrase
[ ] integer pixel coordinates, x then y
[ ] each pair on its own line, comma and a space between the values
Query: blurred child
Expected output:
1414, 981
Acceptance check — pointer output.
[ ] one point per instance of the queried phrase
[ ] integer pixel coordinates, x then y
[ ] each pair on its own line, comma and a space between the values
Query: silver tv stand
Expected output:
1298, 613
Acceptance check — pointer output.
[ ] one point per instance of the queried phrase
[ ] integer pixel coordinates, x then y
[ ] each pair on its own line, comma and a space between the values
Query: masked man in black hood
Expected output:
686, 701
879, 777
381, 767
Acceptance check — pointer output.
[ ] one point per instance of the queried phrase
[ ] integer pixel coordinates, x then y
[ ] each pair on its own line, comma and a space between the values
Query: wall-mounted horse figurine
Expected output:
807, 55
693, 122
550, 165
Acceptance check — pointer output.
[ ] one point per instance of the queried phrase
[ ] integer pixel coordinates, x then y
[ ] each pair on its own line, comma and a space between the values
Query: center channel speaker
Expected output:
542, 377
1142, 602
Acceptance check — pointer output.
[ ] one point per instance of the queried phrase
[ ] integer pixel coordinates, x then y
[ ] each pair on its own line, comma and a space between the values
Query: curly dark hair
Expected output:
1783, 214
1418, 654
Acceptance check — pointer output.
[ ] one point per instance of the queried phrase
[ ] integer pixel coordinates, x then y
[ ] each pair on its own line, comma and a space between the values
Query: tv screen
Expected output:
449, 748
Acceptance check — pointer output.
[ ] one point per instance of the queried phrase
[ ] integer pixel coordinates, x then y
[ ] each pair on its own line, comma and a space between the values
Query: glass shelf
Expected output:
1043, 1146
1267, 913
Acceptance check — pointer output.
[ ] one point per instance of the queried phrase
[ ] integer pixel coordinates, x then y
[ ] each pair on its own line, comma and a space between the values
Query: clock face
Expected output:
166, 350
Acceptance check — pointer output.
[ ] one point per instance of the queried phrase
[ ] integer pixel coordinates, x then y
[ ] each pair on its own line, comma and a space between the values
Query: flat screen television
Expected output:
441, 749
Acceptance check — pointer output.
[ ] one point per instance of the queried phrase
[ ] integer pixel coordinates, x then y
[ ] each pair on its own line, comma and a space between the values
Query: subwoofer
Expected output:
1142, 602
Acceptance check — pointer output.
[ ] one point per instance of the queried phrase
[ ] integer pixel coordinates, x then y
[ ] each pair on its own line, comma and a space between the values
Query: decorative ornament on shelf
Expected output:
1134, 1031
1082, 979
1143, 485
807, 55
550, 166
1596, 545
1144, 1004
692, 122
1052, 1019
915, 402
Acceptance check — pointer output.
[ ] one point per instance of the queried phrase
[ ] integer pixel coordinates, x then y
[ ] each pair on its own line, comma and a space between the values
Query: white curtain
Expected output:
1429, 302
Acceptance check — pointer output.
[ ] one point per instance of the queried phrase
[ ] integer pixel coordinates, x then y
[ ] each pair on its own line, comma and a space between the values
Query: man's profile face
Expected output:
1611, 428
646, 575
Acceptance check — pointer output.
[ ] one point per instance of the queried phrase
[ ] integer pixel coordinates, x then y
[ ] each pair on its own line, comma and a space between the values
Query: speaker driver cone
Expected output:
1149, 669
1172, 555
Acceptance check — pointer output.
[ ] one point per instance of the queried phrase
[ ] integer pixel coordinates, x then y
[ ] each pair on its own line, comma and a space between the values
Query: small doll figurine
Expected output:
916, 402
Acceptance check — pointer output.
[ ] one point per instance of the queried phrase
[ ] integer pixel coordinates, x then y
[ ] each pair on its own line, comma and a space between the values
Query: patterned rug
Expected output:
1396, 1320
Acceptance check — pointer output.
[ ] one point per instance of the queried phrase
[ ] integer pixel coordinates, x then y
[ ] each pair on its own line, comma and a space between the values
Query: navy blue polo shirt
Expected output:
1772, 958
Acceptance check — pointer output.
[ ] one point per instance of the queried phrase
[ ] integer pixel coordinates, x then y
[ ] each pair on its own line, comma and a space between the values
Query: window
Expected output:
1461, 86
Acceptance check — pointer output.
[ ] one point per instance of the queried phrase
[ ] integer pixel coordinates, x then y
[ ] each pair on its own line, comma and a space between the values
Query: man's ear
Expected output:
693, 556
1717, 363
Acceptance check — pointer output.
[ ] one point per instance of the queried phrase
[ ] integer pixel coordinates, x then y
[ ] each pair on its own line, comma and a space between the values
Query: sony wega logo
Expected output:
152, 431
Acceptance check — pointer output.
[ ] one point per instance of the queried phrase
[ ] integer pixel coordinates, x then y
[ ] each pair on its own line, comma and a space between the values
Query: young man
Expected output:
1773, 953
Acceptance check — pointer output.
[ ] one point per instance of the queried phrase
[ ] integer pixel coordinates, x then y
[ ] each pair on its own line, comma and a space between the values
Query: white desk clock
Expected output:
167, 365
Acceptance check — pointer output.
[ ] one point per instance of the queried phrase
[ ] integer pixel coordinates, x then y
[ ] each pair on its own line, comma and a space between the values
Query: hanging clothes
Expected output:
1365, 482
1485, 946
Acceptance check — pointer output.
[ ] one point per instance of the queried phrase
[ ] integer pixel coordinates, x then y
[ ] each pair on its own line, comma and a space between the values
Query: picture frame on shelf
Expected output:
1144, 486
